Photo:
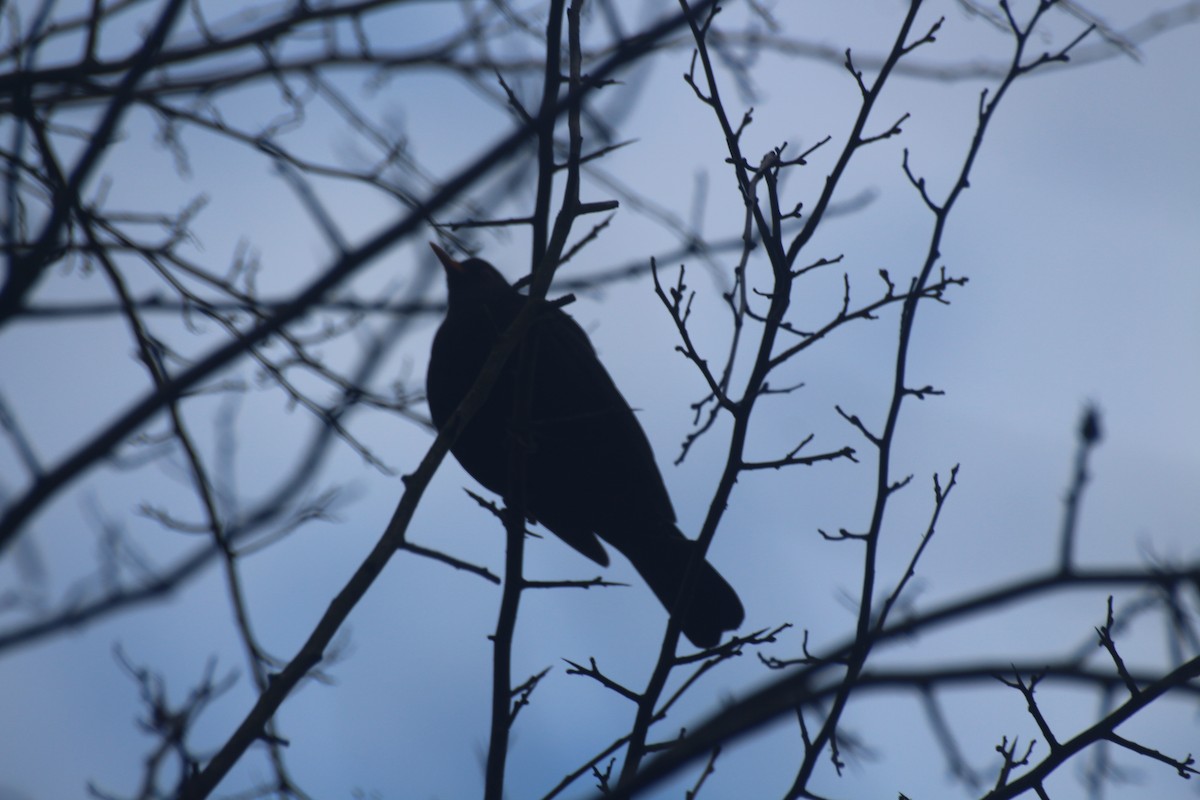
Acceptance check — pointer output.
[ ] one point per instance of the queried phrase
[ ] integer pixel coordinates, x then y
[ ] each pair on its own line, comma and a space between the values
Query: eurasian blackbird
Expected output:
589, 469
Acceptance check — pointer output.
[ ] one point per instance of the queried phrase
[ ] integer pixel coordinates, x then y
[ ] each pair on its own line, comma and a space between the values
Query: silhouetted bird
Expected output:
589, 469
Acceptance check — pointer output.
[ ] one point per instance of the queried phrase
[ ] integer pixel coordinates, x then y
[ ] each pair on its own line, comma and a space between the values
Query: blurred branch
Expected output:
812, 685
88, 453
26, 270
1089, 437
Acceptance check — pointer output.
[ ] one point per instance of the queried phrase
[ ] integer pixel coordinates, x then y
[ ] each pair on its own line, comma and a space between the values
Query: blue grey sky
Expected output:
1080, 236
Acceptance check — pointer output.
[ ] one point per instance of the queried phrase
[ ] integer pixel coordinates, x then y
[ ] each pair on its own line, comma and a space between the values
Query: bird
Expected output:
590, 474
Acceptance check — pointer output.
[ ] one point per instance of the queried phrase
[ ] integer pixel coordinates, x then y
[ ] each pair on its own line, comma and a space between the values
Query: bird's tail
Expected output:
662, 561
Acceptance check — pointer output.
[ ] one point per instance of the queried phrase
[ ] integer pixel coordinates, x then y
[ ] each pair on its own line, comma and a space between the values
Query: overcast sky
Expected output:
1080, 236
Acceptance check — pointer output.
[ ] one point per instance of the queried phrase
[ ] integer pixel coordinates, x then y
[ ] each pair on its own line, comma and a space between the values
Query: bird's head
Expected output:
471, 280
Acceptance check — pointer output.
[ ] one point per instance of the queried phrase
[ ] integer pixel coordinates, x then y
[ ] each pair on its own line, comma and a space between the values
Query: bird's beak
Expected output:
448, 263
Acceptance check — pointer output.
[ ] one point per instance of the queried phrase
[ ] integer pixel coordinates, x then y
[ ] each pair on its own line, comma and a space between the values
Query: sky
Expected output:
1079, 235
